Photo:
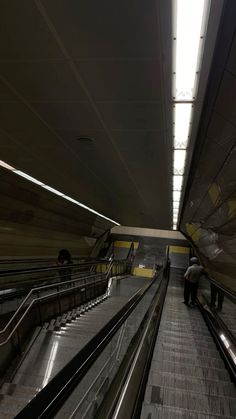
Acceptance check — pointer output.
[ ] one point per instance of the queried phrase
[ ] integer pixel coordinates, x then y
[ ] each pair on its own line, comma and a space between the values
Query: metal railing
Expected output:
113, 267
49, 301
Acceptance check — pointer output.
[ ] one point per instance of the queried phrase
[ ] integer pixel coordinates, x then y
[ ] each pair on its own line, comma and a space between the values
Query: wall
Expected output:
209, 212
152, 245
37, 223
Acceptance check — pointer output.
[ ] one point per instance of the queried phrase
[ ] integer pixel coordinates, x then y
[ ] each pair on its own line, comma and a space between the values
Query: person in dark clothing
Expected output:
64, 259
192, 276
214, 292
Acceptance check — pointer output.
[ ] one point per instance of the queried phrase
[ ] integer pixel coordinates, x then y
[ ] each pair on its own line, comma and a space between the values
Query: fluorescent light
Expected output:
176, 196
177, 183
179, 161
89, 209
6, 166
190, 19
53, 190
30, 178
182, 118
190, 30
70, 199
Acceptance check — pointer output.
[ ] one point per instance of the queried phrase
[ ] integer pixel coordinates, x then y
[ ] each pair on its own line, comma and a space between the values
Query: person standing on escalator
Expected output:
65, 262
192, 276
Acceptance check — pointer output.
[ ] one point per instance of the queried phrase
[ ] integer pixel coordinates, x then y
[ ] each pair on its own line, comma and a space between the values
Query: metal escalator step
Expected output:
185, 342
11, 406
201, 403
188, 335
216, 388
194, 351
15, 390
177, 328
163, 412
189, 360
190, 371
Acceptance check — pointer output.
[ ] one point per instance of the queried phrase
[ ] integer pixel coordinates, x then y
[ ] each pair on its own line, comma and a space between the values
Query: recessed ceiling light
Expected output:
179, 161
177, 183
182, 118
190, 29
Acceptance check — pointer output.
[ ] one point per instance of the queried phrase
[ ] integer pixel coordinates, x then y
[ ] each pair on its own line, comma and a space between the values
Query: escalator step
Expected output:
200, 403
157, 412
191, 371
197, 385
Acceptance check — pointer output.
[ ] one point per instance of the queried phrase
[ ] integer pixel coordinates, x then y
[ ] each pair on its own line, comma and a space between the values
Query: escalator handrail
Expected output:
36, 300
53, 395
221, 334
26, 303
23, 271
227, 291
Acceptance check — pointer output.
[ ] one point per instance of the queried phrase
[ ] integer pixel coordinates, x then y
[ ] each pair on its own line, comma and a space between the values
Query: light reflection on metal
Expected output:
50, 364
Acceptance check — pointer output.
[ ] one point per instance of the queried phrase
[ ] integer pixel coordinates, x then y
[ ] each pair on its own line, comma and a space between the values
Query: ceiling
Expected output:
72, 69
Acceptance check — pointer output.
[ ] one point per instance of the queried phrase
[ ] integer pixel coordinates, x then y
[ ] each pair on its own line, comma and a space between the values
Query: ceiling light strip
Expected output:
53, 190
189, 31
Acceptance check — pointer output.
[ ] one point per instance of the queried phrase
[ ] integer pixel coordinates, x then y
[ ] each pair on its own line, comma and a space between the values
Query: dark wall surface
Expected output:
35, 222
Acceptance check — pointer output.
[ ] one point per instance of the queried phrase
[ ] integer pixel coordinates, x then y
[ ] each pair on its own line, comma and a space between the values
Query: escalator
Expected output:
152, 358
187, 378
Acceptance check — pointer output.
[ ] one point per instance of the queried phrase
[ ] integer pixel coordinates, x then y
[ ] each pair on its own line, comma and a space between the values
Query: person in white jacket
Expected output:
192, 276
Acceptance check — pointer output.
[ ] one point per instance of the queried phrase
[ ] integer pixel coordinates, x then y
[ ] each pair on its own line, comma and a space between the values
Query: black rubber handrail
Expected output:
221, 334
13, 272
37, 260
54, 394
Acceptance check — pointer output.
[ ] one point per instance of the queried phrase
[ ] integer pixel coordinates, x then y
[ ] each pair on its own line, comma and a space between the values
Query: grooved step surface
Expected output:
187, 378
